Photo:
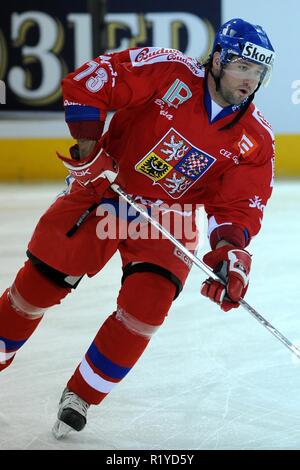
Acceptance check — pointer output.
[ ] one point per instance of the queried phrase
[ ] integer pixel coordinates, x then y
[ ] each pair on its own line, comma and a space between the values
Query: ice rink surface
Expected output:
208, 380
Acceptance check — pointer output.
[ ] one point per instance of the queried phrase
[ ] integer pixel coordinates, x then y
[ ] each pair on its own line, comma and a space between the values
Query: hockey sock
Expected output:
123, 337
22, 307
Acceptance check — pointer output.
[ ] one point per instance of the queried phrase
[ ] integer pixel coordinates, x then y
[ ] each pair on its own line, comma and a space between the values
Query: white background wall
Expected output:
281, 21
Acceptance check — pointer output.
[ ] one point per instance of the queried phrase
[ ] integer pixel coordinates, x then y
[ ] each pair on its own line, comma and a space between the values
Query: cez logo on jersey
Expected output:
175, 164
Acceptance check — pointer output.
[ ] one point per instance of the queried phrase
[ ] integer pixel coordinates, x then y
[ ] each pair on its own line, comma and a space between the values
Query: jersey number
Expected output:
95, 83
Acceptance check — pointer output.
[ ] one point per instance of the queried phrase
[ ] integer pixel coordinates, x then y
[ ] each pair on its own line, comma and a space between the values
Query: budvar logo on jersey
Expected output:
175, 164
258, 53
151, 55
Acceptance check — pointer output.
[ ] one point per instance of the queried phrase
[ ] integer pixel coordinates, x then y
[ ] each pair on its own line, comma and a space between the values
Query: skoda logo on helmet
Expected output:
258, 54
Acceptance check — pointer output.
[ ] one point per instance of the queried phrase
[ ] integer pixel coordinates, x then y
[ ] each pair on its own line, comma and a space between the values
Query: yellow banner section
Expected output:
287, 164
25, 160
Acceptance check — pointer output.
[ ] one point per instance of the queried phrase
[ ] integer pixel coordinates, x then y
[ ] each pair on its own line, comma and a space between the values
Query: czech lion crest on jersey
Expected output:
175, 164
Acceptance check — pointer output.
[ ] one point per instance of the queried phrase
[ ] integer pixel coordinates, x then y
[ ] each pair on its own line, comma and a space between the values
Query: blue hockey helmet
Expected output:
250, 42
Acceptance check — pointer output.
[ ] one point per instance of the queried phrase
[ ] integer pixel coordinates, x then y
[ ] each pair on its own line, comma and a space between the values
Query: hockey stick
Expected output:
197, 261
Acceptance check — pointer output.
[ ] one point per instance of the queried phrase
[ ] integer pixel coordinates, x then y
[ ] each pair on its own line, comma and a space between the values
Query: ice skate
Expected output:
71, 414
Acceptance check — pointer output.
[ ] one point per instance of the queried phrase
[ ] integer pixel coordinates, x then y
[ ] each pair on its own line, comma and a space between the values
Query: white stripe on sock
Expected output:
94, 380
6, 356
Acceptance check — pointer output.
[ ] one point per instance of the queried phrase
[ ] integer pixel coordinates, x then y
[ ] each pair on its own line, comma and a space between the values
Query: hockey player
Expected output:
182, 133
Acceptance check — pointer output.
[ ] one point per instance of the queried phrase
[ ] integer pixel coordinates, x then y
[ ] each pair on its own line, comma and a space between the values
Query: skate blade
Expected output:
61, 429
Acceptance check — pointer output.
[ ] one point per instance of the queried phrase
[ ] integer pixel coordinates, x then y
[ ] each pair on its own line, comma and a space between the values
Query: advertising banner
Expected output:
39, 46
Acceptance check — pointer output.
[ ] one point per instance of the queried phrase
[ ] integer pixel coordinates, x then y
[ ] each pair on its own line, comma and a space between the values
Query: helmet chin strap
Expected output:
257, 88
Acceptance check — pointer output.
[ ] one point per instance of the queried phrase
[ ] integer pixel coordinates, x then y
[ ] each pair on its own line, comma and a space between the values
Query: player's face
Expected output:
239, 79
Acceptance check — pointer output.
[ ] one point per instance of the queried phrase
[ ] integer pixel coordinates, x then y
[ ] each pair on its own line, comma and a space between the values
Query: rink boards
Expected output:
35, 159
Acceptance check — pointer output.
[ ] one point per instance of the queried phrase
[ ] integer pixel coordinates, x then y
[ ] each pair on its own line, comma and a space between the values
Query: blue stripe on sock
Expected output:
105, 365
11, 345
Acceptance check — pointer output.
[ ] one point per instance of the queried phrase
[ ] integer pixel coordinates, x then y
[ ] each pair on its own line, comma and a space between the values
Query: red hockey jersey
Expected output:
161, 134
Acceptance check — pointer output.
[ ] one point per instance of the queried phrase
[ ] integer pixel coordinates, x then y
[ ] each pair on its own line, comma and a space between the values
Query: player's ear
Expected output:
216, 61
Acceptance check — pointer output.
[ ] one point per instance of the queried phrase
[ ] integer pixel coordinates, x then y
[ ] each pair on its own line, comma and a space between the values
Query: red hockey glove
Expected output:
232, 265
97, 168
